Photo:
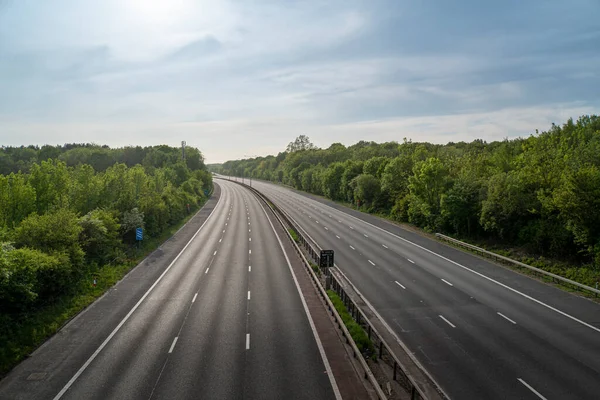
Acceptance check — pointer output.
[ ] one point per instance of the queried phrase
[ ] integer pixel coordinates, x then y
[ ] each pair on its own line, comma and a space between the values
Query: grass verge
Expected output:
294, 235
364, 344
19, 338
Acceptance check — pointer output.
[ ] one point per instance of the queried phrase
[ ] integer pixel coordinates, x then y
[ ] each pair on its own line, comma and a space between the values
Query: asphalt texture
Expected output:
224, 321
482, 331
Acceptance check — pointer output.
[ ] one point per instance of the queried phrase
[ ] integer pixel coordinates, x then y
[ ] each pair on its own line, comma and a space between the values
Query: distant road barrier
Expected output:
556, 278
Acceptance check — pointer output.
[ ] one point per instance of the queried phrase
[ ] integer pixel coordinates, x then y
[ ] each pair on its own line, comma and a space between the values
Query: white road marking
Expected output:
399, 284
249, 230
309, 216
372, 263
173, 345
215, 253
411, 261
337, 237
249, 239
384, 246
220, 240
334, 385
330, 216
248, 295
448, 322
206, 272
446, 282
223, 230
479, 274
225, 223
339, 221
194, 299
326, 228
352, 248
506, 318
351, 228
248, 223
528, 386
366, 235
249, 268
317, 221
250, 251
247, 341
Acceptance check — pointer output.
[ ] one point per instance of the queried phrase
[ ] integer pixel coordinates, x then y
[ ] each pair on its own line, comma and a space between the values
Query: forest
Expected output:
69, 213
540, 193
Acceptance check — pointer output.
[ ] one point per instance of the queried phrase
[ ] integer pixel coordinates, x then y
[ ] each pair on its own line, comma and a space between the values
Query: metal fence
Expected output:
556, 278
383, 350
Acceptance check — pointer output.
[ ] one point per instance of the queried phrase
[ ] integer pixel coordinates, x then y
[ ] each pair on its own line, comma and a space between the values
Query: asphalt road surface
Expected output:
482, 331
224, 321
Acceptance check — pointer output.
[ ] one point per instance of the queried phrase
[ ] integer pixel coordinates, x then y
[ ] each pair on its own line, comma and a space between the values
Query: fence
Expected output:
556, 278
384, 352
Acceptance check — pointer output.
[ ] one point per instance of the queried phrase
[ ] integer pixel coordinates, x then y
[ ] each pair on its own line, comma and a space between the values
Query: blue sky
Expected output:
245, 77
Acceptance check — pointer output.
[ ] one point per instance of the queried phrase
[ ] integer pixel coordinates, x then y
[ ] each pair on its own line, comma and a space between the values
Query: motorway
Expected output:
482, 331
224, 321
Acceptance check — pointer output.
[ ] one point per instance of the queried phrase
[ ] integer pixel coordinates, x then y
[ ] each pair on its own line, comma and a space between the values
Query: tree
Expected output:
302, 142
366, 189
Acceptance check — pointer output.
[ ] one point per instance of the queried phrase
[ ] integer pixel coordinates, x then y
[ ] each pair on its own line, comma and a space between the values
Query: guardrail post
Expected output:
395, 365
413, 393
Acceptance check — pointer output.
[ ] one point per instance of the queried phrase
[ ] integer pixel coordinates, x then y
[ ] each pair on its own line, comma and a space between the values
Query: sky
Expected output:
243, 78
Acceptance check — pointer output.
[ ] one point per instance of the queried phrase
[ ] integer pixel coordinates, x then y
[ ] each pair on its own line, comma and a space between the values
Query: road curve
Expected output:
482, 331
225, 321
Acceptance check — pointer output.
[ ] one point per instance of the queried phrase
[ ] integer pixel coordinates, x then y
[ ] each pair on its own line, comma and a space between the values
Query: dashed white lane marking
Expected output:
215, 253
206, 272
249, 239
351, 227
220, 240
352, 248
337, 237
173, 345
384, 246
326, 228
339, 221
506, 318
250, 251
194, 299
249, 268
372, 263
223, 230
399, 284
411, 261
446, 282
448, 322
247, 341
528, 386
317, 221
249, 230
366, 235
248, 295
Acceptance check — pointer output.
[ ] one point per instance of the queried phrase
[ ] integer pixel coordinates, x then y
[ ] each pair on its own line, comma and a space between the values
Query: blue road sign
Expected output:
139, 233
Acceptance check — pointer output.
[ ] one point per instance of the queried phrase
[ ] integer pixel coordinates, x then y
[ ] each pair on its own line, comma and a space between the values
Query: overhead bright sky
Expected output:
243, 78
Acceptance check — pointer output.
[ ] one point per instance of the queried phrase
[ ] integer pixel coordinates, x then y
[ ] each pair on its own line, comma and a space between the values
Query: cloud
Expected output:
233, 77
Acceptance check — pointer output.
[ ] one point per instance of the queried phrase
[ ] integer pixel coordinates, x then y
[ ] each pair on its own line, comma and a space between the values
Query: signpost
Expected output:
139, 234
326, 259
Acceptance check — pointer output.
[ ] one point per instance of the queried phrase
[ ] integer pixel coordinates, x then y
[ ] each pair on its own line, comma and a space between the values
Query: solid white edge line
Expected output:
173, 344
506, 318
528, 386
446, 282
372, 263
473, 271
194, 299
448, 322
399, 284
105, 342
247, 341
334, 385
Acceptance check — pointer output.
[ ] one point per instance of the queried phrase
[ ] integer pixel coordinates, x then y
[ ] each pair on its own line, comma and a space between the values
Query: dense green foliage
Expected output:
541, 193
64, 219
359, 336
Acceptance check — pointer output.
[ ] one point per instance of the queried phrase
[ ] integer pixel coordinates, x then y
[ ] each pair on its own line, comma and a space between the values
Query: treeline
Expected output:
62, 221
100, 158
541, 193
